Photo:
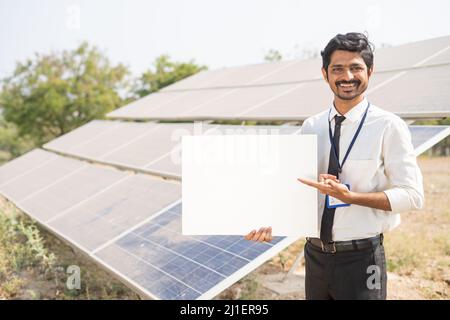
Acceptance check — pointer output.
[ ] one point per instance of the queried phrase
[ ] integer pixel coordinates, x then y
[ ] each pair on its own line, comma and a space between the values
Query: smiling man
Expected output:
368, 175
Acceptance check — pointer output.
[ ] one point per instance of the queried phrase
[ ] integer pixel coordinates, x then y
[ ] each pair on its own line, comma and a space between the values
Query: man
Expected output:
368, 175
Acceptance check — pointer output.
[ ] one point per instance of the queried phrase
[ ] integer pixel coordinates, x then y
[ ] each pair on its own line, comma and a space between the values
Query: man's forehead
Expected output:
343, 57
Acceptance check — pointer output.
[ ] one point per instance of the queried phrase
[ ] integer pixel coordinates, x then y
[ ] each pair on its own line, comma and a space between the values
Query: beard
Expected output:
358, 90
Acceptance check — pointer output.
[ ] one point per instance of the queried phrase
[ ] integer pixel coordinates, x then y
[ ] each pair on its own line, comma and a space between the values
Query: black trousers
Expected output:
347, 275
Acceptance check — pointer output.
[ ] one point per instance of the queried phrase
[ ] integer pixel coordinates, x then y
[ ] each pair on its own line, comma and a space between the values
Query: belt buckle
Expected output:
333, 249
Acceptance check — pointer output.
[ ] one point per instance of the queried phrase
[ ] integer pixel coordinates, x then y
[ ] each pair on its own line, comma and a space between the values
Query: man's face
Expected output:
348, 76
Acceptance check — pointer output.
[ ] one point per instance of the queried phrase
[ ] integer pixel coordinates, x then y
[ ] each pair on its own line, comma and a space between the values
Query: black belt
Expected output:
350, 245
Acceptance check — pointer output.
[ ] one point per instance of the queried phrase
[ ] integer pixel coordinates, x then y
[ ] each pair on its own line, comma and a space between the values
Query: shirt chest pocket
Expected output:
360, 174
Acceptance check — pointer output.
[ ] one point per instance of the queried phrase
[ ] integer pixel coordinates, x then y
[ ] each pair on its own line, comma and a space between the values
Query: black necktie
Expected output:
333, 168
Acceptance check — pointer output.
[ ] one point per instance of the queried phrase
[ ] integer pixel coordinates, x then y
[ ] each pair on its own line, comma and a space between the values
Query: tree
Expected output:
273, 55
164, 73
52, 94
11, 145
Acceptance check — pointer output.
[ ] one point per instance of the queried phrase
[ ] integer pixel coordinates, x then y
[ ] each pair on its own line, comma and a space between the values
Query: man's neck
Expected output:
344, 106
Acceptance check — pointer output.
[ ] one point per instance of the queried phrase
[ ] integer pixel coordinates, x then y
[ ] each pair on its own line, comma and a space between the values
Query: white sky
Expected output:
214, 33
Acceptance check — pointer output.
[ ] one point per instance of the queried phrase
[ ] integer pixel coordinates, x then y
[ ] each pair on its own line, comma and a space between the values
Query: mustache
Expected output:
357, 82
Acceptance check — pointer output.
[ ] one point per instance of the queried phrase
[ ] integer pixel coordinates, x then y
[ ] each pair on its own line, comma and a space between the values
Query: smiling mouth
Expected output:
348, 87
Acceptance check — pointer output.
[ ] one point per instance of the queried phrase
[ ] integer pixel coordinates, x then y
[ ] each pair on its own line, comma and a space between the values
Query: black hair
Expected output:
352, 41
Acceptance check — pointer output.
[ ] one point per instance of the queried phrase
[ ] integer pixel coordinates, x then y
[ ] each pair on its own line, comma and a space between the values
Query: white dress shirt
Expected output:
382, 159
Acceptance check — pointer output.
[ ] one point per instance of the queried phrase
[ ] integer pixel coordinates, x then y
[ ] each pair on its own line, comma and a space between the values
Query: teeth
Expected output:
347, 85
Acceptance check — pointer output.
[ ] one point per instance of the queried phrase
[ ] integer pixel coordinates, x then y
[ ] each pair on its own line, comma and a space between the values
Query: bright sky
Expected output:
214, 33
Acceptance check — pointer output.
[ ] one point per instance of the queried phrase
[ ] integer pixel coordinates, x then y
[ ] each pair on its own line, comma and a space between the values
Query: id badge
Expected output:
336, 203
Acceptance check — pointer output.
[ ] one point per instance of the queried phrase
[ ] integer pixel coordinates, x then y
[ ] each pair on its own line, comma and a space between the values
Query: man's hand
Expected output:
329, 184
264, 234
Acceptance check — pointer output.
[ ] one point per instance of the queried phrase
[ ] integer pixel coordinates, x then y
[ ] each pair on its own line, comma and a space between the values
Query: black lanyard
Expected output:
353, 140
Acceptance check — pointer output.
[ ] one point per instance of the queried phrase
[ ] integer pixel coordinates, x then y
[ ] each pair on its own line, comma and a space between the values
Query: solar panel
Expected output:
425, 137
238, 100
306, 99
442, 58
145, 146
90, 130
410, 54
172, 102
249, 74
155, 148
130, 224
294, 90
233, 77
24, 164
191, 100
199, 80
68, 190
386, 59
296, 71
417, 93
118, 135
168, 265
42, 175
95, 221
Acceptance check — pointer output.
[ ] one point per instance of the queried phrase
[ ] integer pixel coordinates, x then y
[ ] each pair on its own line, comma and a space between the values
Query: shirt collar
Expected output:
355, 113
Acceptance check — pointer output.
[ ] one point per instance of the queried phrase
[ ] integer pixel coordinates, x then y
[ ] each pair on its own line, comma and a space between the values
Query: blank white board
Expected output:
233, 184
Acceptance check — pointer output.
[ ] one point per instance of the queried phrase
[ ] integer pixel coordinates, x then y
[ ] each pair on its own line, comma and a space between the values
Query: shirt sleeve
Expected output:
406, 183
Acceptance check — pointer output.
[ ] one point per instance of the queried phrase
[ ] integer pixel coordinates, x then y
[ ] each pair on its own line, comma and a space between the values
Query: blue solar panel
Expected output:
423, 135
174, 266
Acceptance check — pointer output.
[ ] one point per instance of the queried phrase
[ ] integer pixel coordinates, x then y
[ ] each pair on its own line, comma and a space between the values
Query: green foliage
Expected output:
164, 73
23, 243
441, 122
273, 55
55, 93
11, 145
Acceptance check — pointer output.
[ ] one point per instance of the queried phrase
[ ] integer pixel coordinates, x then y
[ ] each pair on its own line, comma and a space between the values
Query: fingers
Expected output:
324, 176
309, 182
331, 182
269, 235
263, 234
250, 235
260, 235
323, 188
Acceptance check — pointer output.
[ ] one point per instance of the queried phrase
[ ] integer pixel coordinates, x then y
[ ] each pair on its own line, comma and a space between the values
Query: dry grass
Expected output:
420, 248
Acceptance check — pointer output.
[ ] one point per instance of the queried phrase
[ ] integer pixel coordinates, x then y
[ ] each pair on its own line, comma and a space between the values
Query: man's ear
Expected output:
369, 72
324, 74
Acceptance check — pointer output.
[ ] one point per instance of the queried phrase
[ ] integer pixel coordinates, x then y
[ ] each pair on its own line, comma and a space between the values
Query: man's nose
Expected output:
348, 75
